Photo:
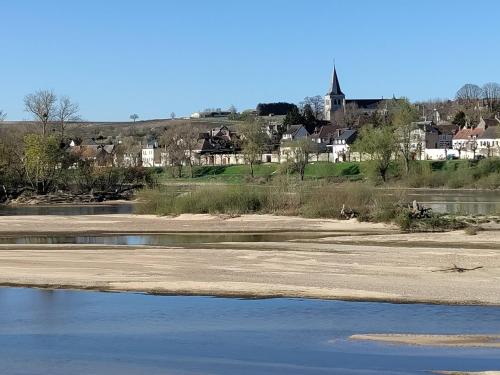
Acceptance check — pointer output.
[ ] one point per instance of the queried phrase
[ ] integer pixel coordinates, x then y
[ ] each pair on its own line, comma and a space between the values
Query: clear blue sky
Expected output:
117, 57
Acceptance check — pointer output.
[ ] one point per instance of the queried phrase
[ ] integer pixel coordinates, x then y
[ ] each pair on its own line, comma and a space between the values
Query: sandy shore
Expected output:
464, 341
348, 260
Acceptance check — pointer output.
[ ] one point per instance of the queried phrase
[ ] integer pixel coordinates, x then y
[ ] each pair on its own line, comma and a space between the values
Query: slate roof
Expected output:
293, 129
335, 86
347, 135
365, 103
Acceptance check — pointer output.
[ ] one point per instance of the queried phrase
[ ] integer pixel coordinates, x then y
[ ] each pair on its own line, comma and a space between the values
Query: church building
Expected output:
335, 101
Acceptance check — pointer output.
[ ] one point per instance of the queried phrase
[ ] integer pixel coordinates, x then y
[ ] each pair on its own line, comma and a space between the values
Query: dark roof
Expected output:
348, 135
365, 103
293, 129
326, 131
335, 86
491, 122
204, 145
446, 128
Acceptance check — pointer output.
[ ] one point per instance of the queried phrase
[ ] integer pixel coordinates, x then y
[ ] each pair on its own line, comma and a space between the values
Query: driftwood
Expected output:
455, 268
418, 211
347, 213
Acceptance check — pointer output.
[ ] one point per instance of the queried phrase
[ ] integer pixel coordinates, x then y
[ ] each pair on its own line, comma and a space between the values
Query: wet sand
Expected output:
350, 260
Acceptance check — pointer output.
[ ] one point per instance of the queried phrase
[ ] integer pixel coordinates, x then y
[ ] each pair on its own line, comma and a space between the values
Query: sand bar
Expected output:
464, 341
331, 267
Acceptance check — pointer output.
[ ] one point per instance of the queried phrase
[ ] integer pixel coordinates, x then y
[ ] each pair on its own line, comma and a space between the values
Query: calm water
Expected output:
459, 201
96, 209
167, 239
71, 332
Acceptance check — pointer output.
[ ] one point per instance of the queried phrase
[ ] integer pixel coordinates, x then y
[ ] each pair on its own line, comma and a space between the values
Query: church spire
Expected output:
335, 87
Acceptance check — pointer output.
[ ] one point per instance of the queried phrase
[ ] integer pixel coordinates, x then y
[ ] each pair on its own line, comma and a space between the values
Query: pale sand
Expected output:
125, 223
481, 341
358, 267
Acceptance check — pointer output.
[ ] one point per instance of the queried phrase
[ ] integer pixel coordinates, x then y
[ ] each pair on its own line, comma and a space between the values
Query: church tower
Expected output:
335, 98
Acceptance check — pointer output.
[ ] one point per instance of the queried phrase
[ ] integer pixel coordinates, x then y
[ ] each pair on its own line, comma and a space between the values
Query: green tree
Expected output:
460, 119
381, 144
309, 119
42, 162
293, 117
254, 141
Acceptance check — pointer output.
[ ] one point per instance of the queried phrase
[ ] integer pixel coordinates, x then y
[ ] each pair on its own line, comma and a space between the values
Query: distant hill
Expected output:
86, 129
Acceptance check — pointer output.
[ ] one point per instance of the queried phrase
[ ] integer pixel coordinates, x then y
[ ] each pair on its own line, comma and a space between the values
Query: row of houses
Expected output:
222, 146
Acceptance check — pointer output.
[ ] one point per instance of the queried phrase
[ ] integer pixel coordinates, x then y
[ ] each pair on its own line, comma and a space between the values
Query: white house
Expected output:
151, 155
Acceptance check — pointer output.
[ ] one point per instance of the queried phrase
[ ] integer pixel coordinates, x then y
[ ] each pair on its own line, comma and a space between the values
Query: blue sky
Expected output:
118, 57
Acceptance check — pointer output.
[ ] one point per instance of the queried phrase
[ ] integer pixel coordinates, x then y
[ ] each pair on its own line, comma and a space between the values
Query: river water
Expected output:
75, 332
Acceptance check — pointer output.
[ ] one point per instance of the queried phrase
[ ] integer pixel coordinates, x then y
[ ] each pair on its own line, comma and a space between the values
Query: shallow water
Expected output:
70, 210
167, 239
72, 332
469, 202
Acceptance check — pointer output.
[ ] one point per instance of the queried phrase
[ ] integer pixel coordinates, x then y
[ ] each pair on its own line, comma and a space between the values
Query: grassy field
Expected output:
483, 174
262, 172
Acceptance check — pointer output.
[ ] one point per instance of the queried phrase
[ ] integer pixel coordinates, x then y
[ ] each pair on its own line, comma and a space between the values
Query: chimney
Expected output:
338, 132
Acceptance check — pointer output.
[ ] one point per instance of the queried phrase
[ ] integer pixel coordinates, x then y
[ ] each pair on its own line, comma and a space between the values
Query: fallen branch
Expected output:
455, 268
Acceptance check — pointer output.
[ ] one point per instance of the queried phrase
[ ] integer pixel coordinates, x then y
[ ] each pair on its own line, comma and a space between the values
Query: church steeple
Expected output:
335, 98
335, 85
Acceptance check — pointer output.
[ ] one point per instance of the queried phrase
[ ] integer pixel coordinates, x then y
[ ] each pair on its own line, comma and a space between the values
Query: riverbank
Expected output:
345, 260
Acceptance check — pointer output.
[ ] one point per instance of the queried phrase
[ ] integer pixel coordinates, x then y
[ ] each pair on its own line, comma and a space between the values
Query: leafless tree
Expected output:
134, 117
469, 92
187, 142
3, 115
317, 105
174, 148
65, 112
172, 115
491, 91
42, 105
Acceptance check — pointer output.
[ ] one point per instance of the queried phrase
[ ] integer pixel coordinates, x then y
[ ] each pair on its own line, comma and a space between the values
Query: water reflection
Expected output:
65, 332
97, 209
470, 202
155, 239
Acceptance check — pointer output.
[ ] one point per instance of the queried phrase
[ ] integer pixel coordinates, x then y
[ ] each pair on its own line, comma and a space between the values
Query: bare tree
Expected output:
469, 92
3, 115
42, 105
491, 91
190, 136
134, 117
174, 148
172, 115
254, 140
66, 111
317, 105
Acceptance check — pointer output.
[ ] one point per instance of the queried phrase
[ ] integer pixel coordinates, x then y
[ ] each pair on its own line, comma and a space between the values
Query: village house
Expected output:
337, 141
151, 154
481, 140
98, 153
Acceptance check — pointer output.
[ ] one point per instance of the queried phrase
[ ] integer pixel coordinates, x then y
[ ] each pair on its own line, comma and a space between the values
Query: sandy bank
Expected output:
126, 223
482, 341
333, 266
